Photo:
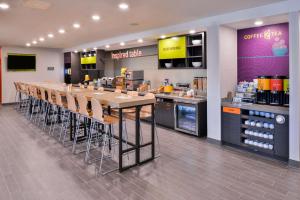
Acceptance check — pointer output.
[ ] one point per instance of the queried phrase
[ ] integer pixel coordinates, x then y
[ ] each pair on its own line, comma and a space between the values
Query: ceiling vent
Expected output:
36, 4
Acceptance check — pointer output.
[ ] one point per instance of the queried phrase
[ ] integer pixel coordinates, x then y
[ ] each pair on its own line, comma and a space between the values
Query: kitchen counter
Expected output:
264, 108
191, 100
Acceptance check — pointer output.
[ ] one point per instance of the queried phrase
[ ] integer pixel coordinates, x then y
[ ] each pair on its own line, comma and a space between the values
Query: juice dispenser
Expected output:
286, 91
276, 94
263, 89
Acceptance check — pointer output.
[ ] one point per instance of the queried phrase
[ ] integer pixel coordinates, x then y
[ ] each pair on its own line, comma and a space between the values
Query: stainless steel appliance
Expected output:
103, 82
133, 84
111, 82
133, 79
134, 75
190, 118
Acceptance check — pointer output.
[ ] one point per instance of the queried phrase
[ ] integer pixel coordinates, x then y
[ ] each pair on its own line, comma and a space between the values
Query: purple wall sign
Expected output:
263, 51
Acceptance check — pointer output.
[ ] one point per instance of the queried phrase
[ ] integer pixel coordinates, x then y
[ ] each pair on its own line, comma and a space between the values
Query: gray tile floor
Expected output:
33, 166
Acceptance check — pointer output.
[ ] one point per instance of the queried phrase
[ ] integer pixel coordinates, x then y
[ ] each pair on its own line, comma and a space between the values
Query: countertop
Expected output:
191, 100
264, 108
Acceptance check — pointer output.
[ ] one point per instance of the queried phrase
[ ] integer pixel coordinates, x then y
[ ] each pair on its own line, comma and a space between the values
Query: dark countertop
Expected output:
191, 100
264, 108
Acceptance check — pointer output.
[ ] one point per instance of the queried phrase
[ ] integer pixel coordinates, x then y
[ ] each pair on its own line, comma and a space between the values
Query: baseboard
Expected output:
294, 163
214, 141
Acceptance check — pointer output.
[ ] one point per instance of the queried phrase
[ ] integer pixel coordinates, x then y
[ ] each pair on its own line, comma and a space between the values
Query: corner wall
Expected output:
221, 73
45, 57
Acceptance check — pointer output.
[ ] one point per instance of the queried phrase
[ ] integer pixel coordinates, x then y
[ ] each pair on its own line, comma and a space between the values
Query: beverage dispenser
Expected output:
286, 91
276, 94
263, 90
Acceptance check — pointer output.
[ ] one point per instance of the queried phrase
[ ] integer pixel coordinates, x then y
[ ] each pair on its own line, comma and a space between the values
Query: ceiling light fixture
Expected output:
41, 39
163, 36
122, 43
123, 6
84, 50
258, 23
107, 46
96, 17
34, 42
140, 40
61, 31
28, 44
75, 51
76, 25
50, 35
4, 6
192, 31
95, 48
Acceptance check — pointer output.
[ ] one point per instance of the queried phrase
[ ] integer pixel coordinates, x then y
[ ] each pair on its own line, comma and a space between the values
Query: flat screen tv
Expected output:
21, 62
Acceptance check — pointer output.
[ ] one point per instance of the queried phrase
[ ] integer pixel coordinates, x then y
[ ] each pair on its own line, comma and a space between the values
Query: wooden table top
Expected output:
115, 100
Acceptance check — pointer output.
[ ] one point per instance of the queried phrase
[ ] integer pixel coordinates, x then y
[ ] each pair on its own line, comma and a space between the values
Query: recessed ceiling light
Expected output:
76, 25
96, 17
34, 42
28, 44
123, 6
122, 43
107, 46
84, 50
61, 31
41, 39
140, 40
163, 36
75, 51
4, 6
95, 48
258, 23
50, 35
192, 31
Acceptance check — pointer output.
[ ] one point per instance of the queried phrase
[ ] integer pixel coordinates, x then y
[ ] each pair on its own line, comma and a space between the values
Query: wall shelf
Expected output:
194, 53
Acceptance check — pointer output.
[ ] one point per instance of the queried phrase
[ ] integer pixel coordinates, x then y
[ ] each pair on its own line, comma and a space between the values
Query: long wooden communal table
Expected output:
120, 102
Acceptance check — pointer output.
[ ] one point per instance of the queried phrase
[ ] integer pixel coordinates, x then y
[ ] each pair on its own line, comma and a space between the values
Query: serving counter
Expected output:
261, 129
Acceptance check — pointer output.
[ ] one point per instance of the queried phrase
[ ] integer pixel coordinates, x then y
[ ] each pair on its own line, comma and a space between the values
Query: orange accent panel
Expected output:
236, 111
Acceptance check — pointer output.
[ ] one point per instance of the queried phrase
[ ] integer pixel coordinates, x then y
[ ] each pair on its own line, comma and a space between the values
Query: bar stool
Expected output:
44, 105
17, 95
50, 109
61, 108
83, 114
107, 121
72, 111
90, 87
35, 100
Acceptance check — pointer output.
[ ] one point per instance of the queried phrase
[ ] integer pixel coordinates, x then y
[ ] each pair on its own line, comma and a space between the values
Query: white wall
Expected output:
221, 73
294, 70
44, 58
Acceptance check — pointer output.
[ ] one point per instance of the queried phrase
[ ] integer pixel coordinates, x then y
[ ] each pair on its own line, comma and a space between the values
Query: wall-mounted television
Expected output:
21, 62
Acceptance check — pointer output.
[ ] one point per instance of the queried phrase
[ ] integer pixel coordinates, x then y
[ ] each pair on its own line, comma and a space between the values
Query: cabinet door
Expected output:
231, 126
164, 114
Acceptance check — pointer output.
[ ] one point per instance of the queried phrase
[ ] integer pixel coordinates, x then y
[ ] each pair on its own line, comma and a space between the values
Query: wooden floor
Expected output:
33, 166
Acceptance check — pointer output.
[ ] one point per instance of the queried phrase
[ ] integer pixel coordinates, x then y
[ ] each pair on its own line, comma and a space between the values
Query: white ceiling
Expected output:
266, 21
21, 24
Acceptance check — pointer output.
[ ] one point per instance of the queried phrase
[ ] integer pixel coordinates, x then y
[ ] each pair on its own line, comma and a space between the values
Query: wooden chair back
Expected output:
43, 94
118, 91
58, 98
147, 109
90, 87
71, 103
82, 103
101, 89
97, 110
49, 96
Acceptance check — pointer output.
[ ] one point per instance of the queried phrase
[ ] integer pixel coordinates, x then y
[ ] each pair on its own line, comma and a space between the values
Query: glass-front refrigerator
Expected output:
186, 118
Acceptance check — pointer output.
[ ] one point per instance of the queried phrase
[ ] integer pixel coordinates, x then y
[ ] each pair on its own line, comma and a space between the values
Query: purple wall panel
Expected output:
263, 51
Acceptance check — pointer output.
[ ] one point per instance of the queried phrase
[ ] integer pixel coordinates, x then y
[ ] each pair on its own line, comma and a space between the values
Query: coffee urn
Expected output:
263, 90
276, 94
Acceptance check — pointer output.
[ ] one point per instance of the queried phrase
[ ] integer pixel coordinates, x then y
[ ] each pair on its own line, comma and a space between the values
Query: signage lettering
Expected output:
267, 35
127, 54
